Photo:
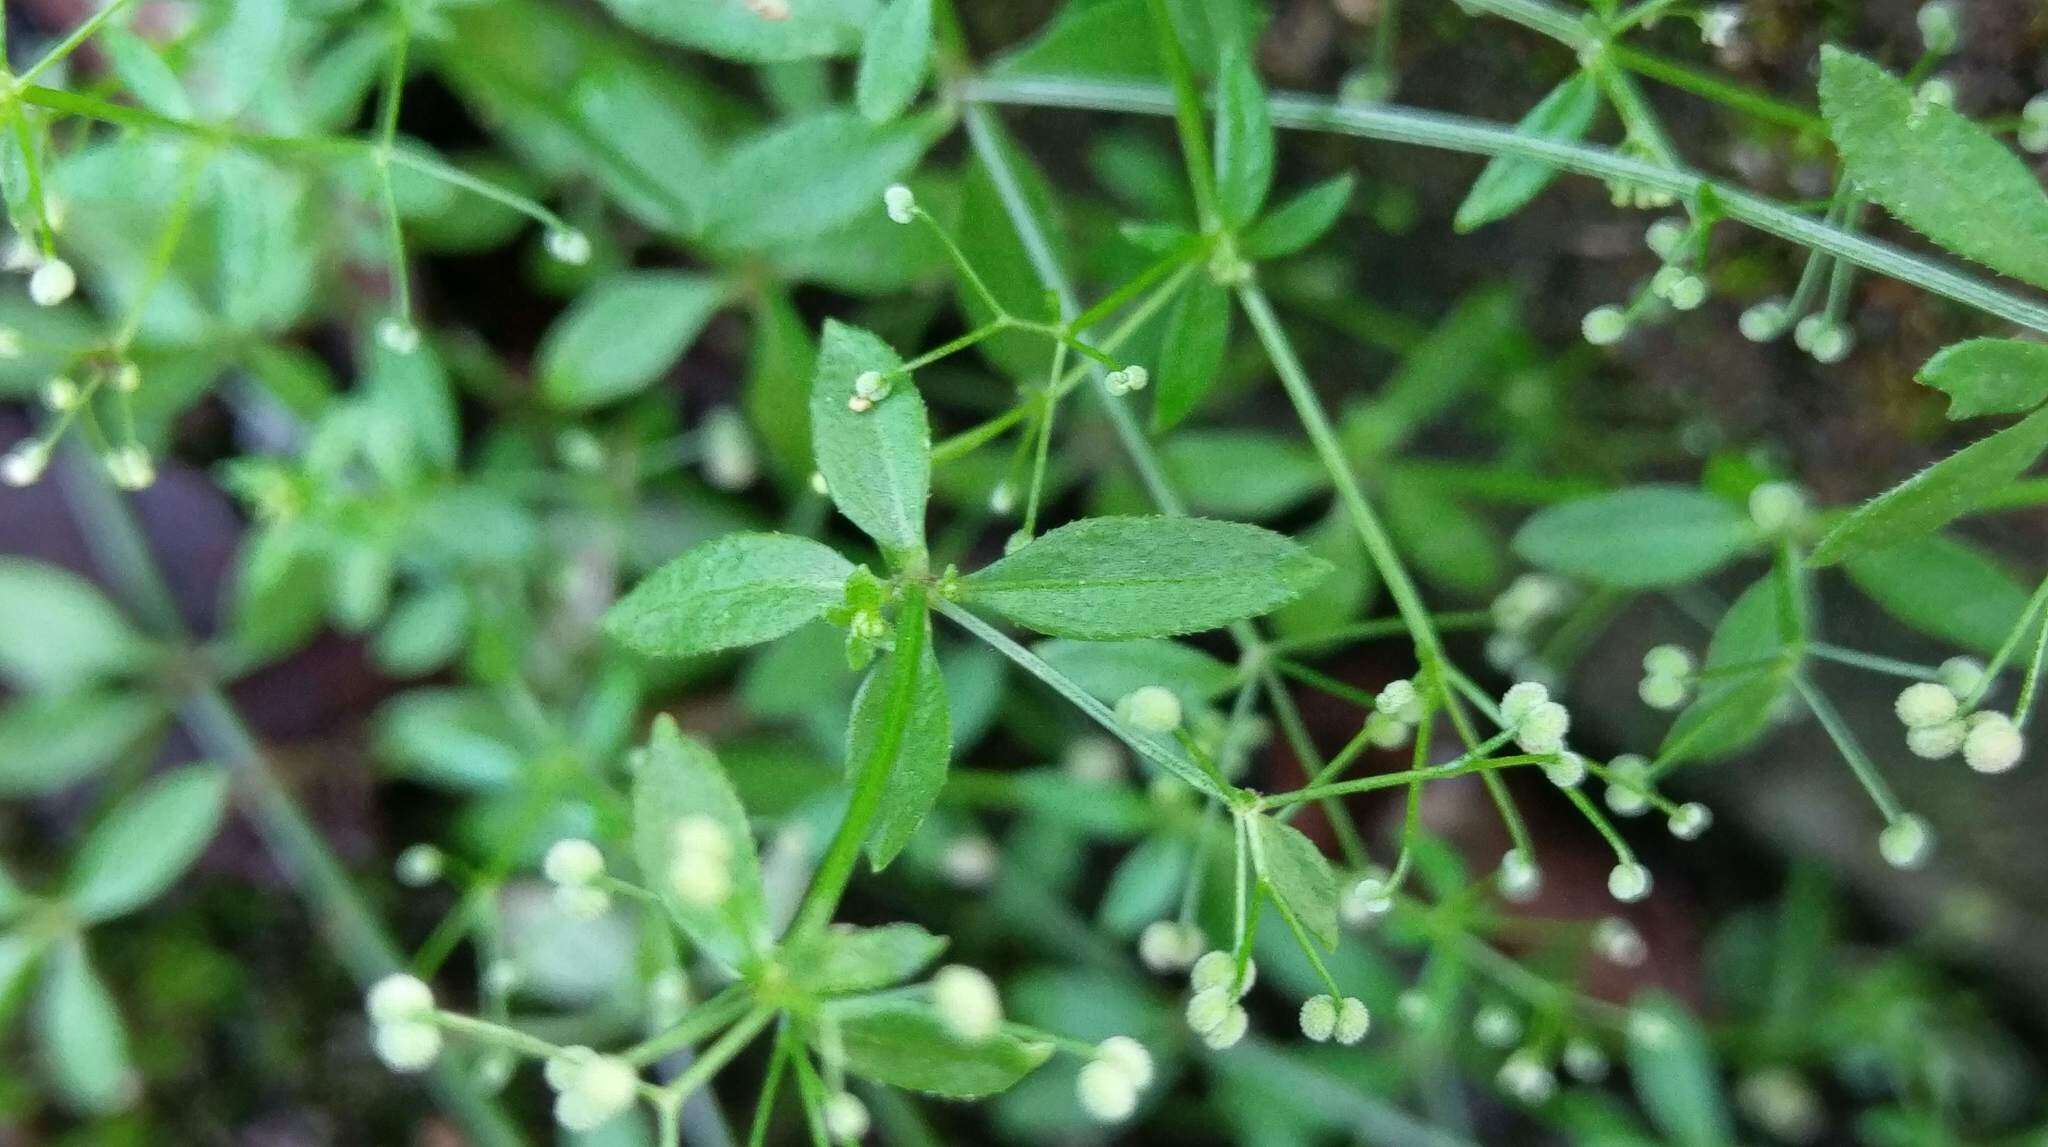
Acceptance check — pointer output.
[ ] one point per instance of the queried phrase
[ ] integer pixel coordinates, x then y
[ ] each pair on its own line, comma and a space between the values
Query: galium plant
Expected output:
577, 558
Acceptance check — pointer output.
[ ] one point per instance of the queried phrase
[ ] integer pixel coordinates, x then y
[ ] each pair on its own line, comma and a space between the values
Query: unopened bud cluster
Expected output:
401, 1010
574, 867
1213, 1011
1109, 1084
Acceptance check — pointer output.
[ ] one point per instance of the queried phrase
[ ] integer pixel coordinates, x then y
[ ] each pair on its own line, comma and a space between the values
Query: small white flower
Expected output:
1962, 675
1414, 1008
25, 463
1225, 1035
591, 1089
1218, 970
1668, 661
1519, 699
419, 865
1764, 321
1387, 732
818, 486
1628, 882
967, 1002
1937, 742
970, 861
1367, 900
61, 394
1519, 879
1525, 602
1567, 771
1525, 1076
845, 1116
398, 335
1353, 1020
1604, 326
1629, 775
572, 862
1993, 743
1719, 24
1169, 946
1666, 238
1106, 1092
1126, 380
1094, 760
1542, 728
1002, 500
1585, 1061
406, 1046
568, 245
700, 867
901, 203
52, 283
1661, 693
1399, 699
1618, 942
1150, 709
130, 467
1905, 842
1925, 704
1496, 1026
1128, 1056
1318, 1018
399, 998
1690, 820
1208, 1008
1939, 28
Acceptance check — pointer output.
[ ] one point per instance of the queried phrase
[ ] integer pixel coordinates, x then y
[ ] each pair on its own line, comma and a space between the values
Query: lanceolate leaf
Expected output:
893, 59
1509, 183
677, 777
922, 751
623, 335
1300, 221
1299, 875
1244, 140
737, 30
84, 1044
57, 631
1674, 1072
1939, 494
1197, 333
1734, 709
732, 591
1636, 538
903, 1043
844, 959
1943, 588
146, 843
800, 179
877, 462
1108, 578
49, 742
1989, 376
1940, 174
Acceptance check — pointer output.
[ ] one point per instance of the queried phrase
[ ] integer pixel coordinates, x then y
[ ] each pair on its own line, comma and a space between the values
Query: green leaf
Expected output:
1108, 578
146, 842
737, 30
1107, 39
1470, 348
922, 751
894, 57
877, 463
732, 591
1451, 546
990, 241
844, 959
1934, 170
1944, 588
1191, 355
1509, 183
903, 1043
1242, 473
1734, 710
57, 632
1108, 670
1339, 599
1939, 494
777, 398
1989, 376
1674, 1073
1636, 538
799, 179
1300, 877
47, 743
623, 334
1295, 224
1146, 885
675, 777
84, 1044
143, 73
1244, 140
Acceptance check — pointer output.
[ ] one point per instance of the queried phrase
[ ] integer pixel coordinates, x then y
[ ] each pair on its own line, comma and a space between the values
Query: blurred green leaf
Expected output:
1296, 224
1674, 1073
677, 777
798, 180
623, 334
1244, 140
1249, 474
1191, 354
922, 751
1299, 875
1942, 587
1510, 182
737, 30
146, 843
1637, 538
895, 55
903, 1043
58, 632
47, 743
84, 1044
844, 959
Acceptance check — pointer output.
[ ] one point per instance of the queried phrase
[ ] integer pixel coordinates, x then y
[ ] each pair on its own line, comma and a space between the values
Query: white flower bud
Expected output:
61, 394
52, 283
1662, 693
1686, 292
1525, 1076
1319, 1018
592, 1089
24, 464
1666, 238
970, 862
967, 1002
1225, 1035
1618, 942
1150, 709
1519, 879
406, 1046
1218, 969
1002, 500
1526, 601
1719, 25
419, 865
1366, 901
501, 977
1354, 1019
700, 880
730, 460
1387, 732
568, 245
1629, 775
130, 467
1129, 1057
1993, 743
1168, 946
1628, 882
1136, 377
1763, 322
399, 998
1415, 1009
1939, 28
1649, 1029
1567, 771
1778, 507
845, 1116
1585, 1061
901, 203
1905, 842
1542, 728
572, 862
1519, 699
1496, 1026
1962, 675
1690, 820
1208, 1008
1668, 661
1399, 699
1106, 1092
1937, 742
126, 377
818, 486
1604, 326
1094, 760
1924, 704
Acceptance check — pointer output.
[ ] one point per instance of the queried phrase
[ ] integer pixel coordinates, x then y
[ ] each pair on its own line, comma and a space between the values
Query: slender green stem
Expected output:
1891, 666
86, 30
1395, 124
1463, 766
717, 1055
707, 1017
1852, 752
